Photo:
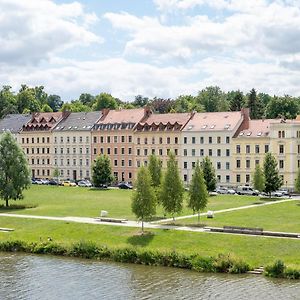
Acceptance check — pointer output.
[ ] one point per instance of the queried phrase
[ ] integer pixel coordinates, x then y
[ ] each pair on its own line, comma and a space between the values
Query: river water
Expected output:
46, 277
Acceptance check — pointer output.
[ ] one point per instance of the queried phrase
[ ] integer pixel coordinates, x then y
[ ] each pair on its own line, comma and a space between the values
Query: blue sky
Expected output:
161, 48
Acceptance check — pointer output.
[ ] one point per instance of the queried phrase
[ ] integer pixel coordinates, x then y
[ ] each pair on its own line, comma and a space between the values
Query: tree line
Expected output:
211, 99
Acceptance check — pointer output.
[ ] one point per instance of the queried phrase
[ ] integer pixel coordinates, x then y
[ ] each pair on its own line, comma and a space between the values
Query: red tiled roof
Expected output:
171, 118
43, 120
122, 116
213, 121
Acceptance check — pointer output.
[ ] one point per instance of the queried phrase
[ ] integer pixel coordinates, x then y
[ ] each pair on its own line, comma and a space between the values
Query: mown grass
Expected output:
254, 250
84, 202
277, 217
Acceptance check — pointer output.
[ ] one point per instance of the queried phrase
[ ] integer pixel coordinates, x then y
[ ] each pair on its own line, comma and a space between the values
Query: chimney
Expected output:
245, 112
65, 114
147, 114
105, 112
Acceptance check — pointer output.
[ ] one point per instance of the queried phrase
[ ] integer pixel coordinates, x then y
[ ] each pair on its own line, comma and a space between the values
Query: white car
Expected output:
221, 190
231, 191
276, 194
84, 183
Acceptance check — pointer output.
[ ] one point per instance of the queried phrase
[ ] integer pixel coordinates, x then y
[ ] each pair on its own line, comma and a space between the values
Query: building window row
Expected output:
248, 149
211, 140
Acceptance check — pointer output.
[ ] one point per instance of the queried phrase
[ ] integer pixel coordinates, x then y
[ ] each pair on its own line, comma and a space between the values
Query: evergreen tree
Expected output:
237, 101
255, 105
155, 170
209, 174
143, 199
171, 195
198, 194
272, 179
297, 182
14, 171
101, 171
258, 179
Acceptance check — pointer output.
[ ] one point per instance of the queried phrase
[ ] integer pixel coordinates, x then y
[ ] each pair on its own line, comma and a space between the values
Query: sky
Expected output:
162, 48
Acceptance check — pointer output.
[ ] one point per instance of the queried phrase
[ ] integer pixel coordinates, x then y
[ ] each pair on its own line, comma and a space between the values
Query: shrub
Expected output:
276, 270
223, 263
292, 274
13, 246
84, 249
203, 264
126, 255
239, 267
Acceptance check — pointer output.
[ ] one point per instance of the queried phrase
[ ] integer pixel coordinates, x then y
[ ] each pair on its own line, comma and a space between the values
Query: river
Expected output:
46, 277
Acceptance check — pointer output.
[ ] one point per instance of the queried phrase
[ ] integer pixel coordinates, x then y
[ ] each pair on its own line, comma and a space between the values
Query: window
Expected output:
129, 162
281, 134
247, 163
74, 150
87, 162
95, 150
61, 150
184, 152
168, 140
176, 151
123, 139
32, 150
115, 151
185, 140
256, 149
193, 165
219, 178
138, 141
281, 164
176, 140
227, 152
281, 149
80, 150
201, 152
108, 139
247, 178
145, 152
115, 139
248, 149
219, 140
185, 165
238, 163
122, 151
74, 162
201, 140
153, 140
193, 152
130, 151
123, 163
218, 165
209, 152
160, 140
115, 162
108, 151
185, 177
153, 151
238, 178
145, 141
129, 175
227, 139
266, 148
80, 161
74, 139
95, 139
298, 149
102, 139
138, 152
219, 152
61, 162
238, 149
193, 140
227, 166
257, 162
227, 178
32, 161
80, 139
210, 140
87, 150
32, 140
87, 139
68, 162
138, 163
160, 152
38, 140
130, 139
101, 150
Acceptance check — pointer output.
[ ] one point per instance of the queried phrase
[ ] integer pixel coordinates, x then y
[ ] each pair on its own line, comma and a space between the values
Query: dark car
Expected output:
125, 186
53, 182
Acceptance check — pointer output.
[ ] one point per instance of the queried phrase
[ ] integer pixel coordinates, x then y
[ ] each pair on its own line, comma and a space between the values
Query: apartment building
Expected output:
113, 135
72, 140
210, 134
159, 134
36, 139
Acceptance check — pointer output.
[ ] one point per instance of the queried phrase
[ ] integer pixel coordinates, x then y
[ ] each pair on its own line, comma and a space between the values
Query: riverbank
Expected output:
252, 251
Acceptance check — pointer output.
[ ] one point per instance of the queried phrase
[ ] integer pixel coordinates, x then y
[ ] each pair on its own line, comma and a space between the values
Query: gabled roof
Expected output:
44, 121
122, 116
257, 128
14, 122
81, 121
214, 121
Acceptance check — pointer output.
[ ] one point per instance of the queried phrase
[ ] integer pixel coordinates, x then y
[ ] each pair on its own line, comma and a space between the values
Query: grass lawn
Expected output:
254, 250
83, 202
277, 217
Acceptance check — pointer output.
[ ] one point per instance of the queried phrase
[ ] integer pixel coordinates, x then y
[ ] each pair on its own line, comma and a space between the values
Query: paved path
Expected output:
152, 225
226, 210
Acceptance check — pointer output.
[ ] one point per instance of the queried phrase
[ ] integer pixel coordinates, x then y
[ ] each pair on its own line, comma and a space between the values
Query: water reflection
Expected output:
45, 277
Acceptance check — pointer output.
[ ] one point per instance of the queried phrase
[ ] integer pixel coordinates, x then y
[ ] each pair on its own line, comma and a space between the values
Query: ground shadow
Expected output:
142, 240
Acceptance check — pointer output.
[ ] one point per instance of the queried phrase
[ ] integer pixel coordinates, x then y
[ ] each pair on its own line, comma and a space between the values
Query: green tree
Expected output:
140, 101
258, 179
56, 175
143, 199
198, 194
87, 99
285, 107
297, 182
26, 100
46, 108
171, 195
212, 99
7, 101
105, 100
187, 103
14, 171
272, 179
255, 105
209, 174
155, 170
55, 102
101, 171
236, 100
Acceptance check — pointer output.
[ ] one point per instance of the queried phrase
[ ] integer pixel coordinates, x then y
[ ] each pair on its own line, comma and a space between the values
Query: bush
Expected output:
276, 270
223, 263
127, 255
292, 274
84, 249
13, 246
239, 267
203, 264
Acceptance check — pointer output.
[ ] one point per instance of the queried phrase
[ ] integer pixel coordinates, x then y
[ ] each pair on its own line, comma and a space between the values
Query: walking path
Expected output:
151, 225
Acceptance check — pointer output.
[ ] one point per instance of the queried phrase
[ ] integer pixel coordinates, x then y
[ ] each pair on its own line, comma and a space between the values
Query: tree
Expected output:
212, 99
258, 179
140, 101
87, 99
285, 107
198, 194
171, 195
101, 171
297, 182
7, 101
26, 100
209, 174
272, 179
46, 108
14, 171
161, 106
143, 199
236, 100
55, 102
105, 100
187, 103
56, 175
255, 105
155, 170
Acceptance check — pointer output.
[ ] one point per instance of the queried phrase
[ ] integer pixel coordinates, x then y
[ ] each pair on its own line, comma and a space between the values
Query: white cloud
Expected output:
31, 30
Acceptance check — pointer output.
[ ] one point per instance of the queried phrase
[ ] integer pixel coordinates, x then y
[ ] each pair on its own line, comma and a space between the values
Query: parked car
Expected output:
68, 183
125, 186
53, 182
231, 191
276, 194
84, 183
284, 192
246, 190
222, 190
38, 181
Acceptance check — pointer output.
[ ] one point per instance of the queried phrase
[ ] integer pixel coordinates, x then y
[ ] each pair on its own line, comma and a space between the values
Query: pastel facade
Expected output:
113, 135
72, 142
158, 134
210, 134
36, 139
